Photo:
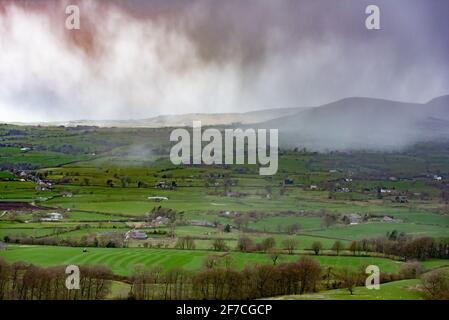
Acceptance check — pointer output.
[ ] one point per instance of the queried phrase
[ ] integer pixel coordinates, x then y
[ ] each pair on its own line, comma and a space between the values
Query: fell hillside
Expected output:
356, 123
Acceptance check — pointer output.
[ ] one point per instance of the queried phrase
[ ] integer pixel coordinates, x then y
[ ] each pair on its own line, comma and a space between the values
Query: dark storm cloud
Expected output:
136, 58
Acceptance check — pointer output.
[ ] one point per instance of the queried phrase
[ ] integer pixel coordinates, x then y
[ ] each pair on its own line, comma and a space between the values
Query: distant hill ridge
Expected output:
182, 120
365, 122
350, 123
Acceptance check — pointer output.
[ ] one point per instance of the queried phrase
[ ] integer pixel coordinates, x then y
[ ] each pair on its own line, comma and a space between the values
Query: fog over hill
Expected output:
182, 120
138, 59
347, 124
364, 123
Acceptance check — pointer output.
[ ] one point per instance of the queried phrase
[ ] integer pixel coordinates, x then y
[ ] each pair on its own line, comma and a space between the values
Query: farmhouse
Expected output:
202, 223
159, 221
136, 234
43, 186
54, 216
157, 198
352, 218
66, 194
160, 185
387, 219
164, 185
401, 199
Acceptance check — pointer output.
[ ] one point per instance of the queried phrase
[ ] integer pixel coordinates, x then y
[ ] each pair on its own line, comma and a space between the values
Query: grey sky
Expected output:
138, 59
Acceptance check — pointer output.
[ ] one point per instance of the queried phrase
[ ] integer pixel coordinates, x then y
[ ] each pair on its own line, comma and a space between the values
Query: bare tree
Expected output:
245, 244
268, 244
275, 255
219, 245
349, 279
338, 246
436, 285
290, 244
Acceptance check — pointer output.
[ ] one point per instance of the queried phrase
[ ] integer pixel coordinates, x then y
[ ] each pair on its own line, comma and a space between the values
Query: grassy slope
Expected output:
396, 290
122, 260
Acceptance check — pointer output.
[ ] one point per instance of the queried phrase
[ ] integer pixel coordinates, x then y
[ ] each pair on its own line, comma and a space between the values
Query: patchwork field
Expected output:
112, 192
122, 260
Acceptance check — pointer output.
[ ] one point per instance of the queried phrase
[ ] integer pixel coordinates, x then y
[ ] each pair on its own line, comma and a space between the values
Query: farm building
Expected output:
43, 186
54, 216
136, 234
160, 221
352, 218
157, 198
164, 185
3, 246
401, 199
202, 223
387, 219
66, 194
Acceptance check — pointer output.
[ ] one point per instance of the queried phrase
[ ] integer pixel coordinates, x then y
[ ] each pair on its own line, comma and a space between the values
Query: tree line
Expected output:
405, 247
21, 281
218, 280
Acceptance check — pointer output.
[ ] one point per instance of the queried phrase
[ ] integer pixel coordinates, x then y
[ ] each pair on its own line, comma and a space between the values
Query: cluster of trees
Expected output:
219, 245
218, 280
246, 244
12, 167
290, 229
111, 240
436, 285
186, 242
408, 248
28, 282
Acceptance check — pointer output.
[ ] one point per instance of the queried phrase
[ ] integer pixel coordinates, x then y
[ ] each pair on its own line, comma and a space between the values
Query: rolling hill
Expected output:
355, 123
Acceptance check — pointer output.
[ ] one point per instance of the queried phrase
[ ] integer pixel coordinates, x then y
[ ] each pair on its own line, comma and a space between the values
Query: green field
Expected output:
396, 290
100, 180
122, 260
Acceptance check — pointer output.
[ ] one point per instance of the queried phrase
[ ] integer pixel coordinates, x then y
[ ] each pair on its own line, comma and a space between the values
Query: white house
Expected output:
157, 198
136, 234
54, 216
